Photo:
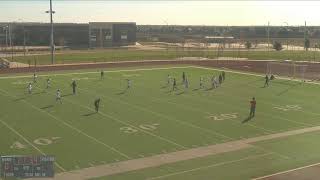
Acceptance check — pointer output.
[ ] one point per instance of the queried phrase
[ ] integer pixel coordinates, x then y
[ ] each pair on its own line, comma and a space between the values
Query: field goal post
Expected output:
287, 69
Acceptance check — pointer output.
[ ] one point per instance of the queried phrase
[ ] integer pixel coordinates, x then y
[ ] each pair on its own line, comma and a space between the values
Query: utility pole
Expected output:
52, 40
24, 42
305, 29
287, 29
305, 34
6, 28
268, 34
10, 41
51, 36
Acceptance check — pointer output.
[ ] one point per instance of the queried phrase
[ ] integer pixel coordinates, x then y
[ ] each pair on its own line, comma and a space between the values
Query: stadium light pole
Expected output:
10, 40
305, 33
51, 34
268, 34
287, 29
24, 38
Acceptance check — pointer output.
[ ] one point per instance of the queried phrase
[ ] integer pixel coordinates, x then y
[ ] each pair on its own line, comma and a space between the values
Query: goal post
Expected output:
288, 69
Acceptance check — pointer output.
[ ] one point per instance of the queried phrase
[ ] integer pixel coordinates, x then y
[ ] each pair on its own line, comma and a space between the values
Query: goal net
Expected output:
289, 70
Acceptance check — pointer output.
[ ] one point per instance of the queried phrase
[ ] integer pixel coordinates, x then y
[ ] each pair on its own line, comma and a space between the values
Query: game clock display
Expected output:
26, 166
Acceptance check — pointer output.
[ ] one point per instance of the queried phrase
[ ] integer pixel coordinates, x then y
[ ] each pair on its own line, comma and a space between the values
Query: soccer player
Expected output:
220, 79
183, 77
48, 83
174, 84
186, 83
201, 83
213, 83
223, 75
34, 78
252, 107
266, 83
129, 83
74, 85
58, 96
168, 79
29, 88
101, 74
97, 104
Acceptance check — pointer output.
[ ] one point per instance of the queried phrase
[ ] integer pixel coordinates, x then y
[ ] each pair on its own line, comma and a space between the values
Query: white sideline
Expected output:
209, 166
150, 69
93, 72
284, 172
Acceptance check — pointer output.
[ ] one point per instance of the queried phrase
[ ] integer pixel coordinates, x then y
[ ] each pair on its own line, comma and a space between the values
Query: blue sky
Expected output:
162, 12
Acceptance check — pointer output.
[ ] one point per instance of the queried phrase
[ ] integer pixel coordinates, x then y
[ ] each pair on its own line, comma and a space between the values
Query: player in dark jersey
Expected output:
101, 74
253, 107
183, 77
266, 83
74, 86
35, 78
174, 84
220, 79
97, 104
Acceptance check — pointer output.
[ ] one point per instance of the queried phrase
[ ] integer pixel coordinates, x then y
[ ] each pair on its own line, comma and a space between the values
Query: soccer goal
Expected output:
288, 69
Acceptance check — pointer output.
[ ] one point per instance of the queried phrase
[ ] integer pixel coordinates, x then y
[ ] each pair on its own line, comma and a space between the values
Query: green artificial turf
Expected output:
149, 118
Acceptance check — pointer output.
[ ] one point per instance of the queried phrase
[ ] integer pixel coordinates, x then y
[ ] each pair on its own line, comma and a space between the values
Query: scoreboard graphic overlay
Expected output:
26, 166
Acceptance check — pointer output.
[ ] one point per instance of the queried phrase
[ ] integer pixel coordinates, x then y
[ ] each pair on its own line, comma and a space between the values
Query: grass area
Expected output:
126, 55
149, 118
268, 157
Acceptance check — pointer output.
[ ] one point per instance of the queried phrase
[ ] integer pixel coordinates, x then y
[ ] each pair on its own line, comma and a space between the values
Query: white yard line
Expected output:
245, 141
210, 166
27, 141
164, 116
284, 172
162, 159
72, 127
125, 123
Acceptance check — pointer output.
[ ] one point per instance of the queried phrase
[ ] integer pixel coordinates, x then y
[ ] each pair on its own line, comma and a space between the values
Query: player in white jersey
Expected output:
29, 88
35, 78
48, 83
129, 83
201, 83
58, 96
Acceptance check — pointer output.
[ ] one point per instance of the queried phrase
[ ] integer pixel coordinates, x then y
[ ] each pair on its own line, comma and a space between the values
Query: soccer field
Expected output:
150, 119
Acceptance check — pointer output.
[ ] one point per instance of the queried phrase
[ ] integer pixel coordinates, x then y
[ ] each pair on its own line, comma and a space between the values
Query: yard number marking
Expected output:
18, 145
148, 127
38, 141
288, 107
223, 116
128, 130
